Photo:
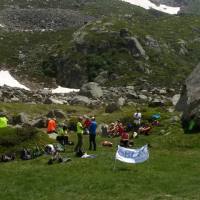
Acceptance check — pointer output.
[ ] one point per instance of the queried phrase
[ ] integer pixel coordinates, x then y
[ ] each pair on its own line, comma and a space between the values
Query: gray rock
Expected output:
175, 119
156, 103
21, 118
39, 123
175, 99
112, 107
121, 101
163, 92
189, 102
82, 100
143, 97
124, 32
101, 78
92, 90
56, 113
132, 95
52, 100
135, 47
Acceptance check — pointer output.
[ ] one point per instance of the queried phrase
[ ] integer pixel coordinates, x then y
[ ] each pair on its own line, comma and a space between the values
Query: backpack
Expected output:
25, 154
49, 149
7, 158
79, 153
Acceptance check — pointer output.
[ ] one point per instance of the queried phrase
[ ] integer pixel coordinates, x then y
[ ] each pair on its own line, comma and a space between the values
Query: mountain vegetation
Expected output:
100, 38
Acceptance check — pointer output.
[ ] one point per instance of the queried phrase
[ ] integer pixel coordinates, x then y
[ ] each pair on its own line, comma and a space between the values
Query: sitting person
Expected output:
62, 137
144, 129
155, 123
112, 130
119, 128
124, 141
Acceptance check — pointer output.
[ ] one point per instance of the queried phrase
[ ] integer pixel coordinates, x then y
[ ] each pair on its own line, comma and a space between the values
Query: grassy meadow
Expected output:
172, 171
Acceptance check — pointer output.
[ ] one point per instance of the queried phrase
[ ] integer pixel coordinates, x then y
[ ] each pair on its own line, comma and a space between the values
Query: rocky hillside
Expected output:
110, 42
128, 49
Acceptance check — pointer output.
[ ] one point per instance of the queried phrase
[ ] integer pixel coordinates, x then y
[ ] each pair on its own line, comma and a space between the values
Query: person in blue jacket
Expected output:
92, 134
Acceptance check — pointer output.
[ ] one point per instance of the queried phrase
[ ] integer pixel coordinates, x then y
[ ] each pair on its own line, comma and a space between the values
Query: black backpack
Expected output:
79, 153
25, 154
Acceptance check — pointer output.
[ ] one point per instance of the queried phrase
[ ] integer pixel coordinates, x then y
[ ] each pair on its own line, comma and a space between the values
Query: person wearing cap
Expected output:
79, 132
92, 134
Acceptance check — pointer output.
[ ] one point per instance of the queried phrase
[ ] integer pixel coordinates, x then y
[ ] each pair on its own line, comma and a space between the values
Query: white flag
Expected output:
132, 155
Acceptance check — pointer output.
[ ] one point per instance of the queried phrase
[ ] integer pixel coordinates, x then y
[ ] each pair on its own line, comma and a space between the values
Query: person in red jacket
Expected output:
51, 127
124, 141
86, 125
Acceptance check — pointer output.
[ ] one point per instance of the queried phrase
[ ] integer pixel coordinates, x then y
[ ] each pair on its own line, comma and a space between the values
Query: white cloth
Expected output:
132, 155
137, 118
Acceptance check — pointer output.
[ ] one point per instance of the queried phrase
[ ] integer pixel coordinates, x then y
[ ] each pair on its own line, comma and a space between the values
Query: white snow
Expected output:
60, 89
7, 79
148, 5
1, 25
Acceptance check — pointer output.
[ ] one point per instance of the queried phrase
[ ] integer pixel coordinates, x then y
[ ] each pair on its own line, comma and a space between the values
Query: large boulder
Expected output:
135, 47
92, 90
21, 119
39, 123
56, 113
81, 100
189, 102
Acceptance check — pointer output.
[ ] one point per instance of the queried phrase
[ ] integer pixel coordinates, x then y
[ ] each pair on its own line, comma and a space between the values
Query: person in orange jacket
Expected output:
51, 127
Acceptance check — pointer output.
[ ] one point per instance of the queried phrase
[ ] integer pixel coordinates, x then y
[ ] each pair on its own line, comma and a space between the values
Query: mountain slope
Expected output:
133, 49
41, 50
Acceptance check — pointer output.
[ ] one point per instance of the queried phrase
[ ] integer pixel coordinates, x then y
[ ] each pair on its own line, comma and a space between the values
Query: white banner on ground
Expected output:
132, 155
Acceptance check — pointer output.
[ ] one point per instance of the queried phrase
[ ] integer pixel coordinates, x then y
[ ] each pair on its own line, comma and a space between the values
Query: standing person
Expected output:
51, 127
92, 134
3, 121
137, 120
79, 132
87, 123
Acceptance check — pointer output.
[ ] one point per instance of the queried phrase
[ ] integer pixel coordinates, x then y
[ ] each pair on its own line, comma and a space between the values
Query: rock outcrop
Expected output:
189, 102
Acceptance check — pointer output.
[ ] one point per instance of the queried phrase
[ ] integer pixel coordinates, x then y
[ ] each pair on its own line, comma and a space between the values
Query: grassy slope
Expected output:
171, 172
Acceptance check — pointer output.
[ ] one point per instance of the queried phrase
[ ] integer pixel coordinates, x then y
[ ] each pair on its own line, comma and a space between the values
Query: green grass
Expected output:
172, 172
168, 174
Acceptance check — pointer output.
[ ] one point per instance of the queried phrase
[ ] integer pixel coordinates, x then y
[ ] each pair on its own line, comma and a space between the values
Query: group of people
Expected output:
136, 128
84, 125
88, 125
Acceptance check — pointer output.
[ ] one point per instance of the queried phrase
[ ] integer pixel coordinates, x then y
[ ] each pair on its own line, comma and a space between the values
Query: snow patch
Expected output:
60, 89
148, 5
2, 26
7, 79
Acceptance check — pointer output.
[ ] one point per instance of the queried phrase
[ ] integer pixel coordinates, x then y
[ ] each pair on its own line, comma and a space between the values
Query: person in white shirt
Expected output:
137, 120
